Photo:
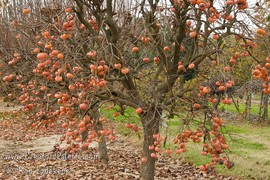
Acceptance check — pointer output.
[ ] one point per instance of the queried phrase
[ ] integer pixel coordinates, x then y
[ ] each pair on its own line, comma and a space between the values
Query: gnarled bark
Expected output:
150, 122
102, 147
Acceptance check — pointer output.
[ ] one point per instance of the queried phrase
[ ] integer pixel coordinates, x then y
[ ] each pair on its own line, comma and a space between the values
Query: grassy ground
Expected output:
249, 144
255, 106
249, 149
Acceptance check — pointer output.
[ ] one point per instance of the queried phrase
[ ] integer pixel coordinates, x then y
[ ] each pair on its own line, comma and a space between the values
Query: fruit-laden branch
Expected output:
117, 98
128, 82
200, 57
172, 74
80, 15
113, 37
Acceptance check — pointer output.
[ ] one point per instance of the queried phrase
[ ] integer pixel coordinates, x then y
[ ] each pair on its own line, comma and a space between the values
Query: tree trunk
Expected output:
265, 107
102, 147
261, 106
150, 123
236, 105
215, 106
248, 105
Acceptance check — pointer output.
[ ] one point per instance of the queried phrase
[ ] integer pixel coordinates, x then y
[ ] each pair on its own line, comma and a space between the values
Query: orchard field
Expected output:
134, 89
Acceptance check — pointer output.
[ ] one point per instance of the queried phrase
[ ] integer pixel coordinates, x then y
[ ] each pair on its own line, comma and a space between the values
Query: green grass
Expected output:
250, 144
255, 109
234, 129
257, 96
129, 116
249, 149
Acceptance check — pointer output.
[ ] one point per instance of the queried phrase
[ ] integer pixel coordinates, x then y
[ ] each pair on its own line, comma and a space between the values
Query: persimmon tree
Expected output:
262, 59
141, 54
42, 109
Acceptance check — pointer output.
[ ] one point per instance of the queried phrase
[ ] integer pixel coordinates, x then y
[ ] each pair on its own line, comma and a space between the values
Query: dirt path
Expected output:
13, 148
8, 107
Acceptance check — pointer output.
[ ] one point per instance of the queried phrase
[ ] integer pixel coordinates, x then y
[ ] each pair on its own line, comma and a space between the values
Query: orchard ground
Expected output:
248, 141
32, 154
249, 146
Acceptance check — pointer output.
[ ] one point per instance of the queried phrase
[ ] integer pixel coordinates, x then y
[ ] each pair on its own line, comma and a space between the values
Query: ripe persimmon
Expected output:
124, 70
221, 88
83, 106
166, 48
191, 66
146, 59
193, 34
144, 160
156, 60
60, 56
139, 110
135, 49
64, 125
151, 148
169, 151
197, 106
153, 155
180, 68
68, 9
36, 50
26, 11
117, 66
